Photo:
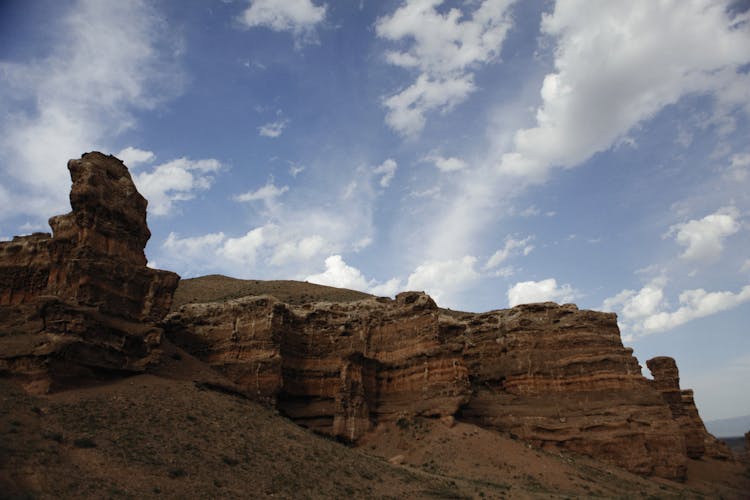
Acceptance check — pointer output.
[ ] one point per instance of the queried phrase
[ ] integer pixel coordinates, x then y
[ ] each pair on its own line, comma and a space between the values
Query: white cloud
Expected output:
407, 109
745, 266
297, 16
527, 292
132, 157
704, 238
267, 194
444, 48
176, 180
695, 304
512, 247
646, 311
295, 170
106, 59
638, 305
388, 170
301, 249
341, 275
272, 129
600, 90
739, 167
443, 278
450, 164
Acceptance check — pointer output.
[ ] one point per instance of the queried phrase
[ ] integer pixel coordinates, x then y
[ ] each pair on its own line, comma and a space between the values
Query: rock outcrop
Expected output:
553, 375
698, 441
81, 302
337, 368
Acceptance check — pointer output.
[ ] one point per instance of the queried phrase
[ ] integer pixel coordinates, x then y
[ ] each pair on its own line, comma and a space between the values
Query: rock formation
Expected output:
81, 302
337, 368
549, 374
698, 441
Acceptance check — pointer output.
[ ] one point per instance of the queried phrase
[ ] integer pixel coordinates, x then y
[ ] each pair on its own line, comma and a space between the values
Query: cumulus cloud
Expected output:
387, 169
106, 59
272, 129
297, 16
599, 90
443, 278
527, 292
267, 194
647, 311
341, 275
450, 164
636, 305
176, 180
703, 239
512, 247
132, 157
443, 47
695, 304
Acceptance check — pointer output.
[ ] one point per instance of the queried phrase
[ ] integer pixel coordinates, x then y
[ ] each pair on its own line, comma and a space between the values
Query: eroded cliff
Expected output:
81, 302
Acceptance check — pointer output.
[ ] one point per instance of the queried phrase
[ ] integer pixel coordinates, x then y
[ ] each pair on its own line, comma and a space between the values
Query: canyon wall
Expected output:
81, 302
552, 375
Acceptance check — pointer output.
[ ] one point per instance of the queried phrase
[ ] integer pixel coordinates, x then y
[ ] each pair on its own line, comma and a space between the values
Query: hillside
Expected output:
729, 427
156, 436
218, 288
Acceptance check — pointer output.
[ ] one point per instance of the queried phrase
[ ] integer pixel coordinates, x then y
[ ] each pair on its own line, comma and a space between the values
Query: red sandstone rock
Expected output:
549, 374
82, 302
698, 441
560, 377
335, 368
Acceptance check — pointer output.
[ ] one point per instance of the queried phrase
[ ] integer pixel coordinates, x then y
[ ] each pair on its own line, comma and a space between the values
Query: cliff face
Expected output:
549, 374
82, 302
337, 368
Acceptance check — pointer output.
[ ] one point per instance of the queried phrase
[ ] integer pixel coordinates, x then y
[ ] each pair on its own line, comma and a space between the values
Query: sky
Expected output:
488, 152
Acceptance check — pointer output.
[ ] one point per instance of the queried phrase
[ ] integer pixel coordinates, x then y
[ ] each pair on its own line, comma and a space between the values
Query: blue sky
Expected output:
489, 152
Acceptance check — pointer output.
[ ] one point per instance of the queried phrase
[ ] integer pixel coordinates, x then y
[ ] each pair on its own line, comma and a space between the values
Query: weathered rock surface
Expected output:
561, 378
698, 441
81, 302
336, 368
553, 375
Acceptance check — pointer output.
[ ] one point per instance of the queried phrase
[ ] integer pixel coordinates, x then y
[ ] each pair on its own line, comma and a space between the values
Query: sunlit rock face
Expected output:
81, 302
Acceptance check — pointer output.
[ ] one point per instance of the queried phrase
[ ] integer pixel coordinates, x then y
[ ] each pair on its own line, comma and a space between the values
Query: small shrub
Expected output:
84, 443
402, 423
53, 436
176, 473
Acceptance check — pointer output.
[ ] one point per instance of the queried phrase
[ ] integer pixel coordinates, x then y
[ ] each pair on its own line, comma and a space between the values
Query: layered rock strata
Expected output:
698, 441
337, 368
553, 375
81, 302
561, 378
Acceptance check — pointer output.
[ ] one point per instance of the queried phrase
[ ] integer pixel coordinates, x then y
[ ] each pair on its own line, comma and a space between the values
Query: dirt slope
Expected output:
218, 288
162, 435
